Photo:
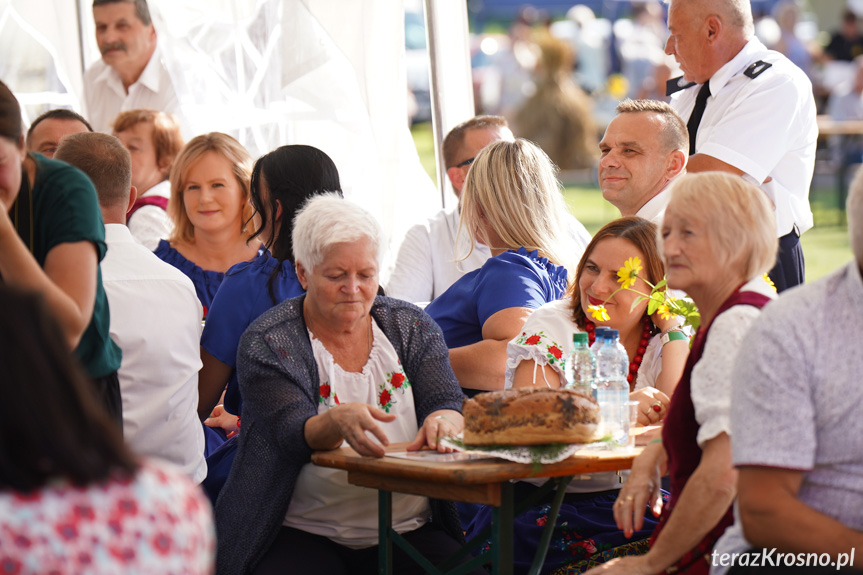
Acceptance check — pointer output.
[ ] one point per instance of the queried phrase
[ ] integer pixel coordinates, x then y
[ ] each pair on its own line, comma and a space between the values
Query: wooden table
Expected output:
845, 130
485, 481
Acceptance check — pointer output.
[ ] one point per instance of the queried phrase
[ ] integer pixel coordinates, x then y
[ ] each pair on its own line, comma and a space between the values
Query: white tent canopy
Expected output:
327, 73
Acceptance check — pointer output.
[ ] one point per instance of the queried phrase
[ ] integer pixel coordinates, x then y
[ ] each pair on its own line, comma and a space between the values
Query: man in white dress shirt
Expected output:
155, 318
130, 74
428, 259
750, 111
644, 149
427, 262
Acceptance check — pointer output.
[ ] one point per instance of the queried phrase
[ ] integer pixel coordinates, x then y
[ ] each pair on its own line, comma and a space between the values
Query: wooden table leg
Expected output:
502, 519
385, 543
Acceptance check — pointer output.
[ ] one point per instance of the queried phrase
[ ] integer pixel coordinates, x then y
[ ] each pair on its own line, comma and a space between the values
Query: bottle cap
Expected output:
579, 337
612, 334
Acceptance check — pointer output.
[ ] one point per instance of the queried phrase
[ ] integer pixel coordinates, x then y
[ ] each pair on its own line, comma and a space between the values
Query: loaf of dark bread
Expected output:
530, 416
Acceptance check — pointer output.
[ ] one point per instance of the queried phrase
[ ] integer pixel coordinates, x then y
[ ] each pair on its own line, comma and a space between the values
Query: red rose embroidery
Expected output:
540, 521
587, 544
555, 352
385, 397
397, 380
532, 340
325, 390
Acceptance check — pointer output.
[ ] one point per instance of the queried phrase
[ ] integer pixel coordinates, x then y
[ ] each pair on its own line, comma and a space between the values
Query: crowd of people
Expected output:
182, 326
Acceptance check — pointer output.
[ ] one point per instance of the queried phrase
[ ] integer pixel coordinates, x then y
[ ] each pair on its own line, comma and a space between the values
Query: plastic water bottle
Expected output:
581, 371
599, 338
612, 390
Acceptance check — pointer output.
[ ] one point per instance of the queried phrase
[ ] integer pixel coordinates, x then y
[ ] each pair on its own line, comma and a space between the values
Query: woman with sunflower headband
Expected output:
586, 533
607, 284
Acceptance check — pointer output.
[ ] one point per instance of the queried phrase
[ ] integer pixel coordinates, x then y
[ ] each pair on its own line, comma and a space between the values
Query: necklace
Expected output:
646, 328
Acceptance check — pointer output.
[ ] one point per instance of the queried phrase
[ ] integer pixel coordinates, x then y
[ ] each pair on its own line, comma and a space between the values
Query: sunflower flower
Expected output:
627, 275
598, 312
665, 312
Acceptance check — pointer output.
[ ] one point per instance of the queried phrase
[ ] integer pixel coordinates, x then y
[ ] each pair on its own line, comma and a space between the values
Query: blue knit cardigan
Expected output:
279, 383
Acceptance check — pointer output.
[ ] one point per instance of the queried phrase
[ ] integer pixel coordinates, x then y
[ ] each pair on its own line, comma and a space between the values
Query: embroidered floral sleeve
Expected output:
545, 340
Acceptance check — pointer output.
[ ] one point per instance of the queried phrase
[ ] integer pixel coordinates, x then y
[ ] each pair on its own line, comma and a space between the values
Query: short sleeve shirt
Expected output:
243, 296
66, 210
511, 279
206, 282
765, 126
797, 396
546, 339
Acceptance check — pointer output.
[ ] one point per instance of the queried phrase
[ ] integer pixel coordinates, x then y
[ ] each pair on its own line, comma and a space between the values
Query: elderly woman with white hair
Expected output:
717, 240
336, 365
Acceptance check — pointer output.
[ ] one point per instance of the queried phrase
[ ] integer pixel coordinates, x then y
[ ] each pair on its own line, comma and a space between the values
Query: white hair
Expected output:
737, 13
854, 211
327, 219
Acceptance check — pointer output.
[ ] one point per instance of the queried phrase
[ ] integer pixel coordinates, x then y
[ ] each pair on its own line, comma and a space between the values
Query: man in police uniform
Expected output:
750, 112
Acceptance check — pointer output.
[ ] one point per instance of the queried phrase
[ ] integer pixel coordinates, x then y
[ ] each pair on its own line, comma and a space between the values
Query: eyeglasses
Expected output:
465, 163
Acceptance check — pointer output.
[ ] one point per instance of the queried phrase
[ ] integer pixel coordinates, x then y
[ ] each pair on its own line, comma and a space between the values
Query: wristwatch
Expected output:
672, 335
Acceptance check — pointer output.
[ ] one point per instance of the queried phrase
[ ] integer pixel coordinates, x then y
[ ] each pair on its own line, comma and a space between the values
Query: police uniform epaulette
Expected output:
756, 69
676, 85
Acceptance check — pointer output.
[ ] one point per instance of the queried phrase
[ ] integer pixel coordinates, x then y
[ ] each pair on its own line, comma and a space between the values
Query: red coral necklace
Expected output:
646, 328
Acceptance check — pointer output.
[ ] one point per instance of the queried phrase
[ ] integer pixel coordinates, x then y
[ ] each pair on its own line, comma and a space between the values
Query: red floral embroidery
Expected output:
385, 397
397, 380
555, 352
541, 520
586, 544
532, 340
325, 390
336, 399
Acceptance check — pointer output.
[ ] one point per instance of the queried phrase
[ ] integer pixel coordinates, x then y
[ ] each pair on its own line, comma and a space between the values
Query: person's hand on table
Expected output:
352, 420
652, 405
221, 418
438, 424
641, 489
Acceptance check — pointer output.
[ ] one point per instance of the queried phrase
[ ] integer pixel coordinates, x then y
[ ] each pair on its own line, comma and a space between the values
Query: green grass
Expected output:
825, 247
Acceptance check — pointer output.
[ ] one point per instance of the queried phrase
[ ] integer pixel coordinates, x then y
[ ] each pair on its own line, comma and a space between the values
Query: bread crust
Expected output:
529, 416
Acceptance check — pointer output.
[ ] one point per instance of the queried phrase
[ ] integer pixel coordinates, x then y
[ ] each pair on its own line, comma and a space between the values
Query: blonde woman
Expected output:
512, 203
210, 211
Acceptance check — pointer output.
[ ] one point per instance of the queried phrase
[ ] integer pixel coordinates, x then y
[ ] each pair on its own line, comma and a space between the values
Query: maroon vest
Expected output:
679, 432
147, 201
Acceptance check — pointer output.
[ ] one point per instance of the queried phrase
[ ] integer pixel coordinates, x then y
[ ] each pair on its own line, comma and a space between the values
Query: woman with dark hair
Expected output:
655, 369
51, 241
73, 498
585, 533
281, 183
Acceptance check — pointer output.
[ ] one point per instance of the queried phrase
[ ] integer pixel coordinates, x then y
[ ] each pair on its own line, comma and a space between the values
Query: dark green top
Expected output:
66, 210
